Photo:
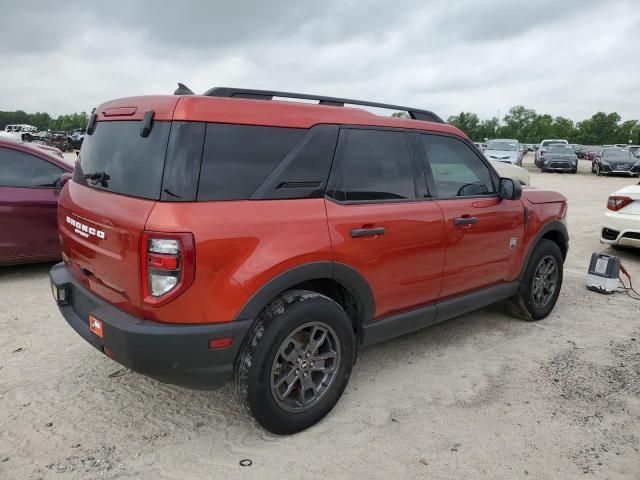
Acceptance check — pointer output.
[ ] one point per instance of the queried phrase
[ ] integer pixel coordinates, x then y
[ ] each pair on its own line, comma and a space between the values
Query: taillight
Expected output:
167, 265
616, 202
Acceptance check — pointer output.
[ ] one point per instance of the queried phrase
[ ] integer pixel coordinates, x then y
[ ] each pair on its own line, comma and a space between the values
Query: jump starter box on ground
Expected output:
603, 274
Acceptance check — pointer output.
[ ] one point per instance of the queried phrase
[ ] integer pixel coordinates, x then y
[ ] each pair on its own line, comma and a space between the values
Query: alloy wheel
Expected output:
305, 366
545, 281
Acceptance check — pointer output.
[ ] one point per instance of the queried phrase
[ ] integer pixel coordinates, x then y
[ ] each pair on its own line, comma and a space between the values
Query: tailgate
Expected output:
117, 180
100, 233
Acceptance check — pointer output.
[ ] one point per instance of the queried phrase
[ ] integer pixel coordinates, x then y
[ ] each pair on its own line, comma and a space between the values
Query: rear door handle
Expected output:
464, 221
366, 232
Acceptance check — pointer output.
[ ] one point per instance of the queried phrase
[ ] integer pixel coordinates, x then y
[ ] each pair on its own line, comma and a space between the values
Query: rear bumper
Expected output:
170, 353
620, 229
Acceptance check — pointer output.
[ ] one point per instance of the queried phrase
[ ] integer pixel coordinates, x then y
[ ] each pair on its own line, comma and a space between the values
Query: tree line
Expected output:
527, 126
44, 121
521, 123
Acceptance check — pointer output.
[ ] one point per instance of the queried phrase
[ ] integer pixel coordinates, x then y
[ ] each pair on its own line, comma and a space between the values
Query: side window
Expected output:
238, 158
18, 169
373, 165
456, 169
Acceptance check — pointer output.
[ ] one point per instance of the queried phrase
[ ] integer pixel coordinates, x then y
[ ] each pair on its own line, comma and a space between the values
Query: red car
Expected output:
231, 235
30, 183
591, 152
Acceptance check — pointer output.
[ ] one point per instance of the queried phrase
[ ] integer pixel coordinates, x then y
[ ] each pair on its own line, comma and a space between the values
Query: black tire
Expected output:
522, 304
253, 383
598, 170
574, 171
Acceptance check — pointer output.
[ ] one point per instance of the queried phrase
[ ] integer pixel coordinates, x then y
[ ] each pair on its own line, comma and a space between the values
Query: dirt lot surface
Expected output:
481, 396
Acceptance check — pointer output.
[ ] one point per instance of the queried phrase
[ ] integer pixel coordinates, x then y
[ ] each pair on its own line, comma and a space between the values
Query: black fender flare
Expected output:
554, 225
345, 275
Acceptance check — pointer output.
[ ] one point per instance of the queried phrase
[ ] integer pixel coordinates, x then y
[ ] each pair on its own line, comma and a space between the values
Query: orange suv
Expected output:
239, 234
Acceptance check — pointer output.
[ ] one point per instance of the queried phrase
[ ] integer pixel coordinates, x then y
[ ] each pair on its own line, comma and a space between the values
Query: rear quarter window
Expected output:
237, 159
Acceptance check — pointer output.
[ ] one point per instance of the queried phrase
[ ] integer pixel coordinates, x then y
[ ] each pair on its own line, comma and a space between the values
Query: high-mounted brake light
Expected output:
616, 202
167, 265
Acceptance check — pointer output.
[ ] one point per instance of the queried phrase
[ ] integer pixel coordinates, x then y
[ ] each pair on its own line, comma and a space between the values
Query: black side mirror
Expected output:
509, 189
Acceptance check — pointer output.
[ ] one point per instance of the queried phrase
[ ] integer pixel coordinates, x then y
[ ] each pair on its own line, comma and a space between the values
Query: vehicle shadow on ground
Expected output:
13, 272
218, 410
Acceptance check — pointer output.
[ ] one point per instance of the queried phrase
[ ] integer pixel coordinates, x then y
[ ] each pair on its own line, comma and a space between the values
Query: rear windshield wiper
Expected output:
98, 178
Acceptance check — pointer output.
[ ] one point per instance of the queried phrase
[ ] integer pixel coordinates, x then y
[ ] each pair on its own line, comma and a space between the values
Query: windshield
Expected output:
561, 149
502, 146
616, 155
116, 158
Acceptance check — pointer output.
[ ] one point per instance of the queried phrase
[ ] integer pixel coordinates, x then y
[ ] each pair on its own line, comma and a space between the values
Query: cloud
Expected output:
569, 58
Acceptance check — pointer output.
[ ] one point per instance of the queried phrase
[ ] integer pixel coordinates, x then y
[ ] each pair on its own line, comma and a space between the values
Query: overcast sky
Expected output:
563, 57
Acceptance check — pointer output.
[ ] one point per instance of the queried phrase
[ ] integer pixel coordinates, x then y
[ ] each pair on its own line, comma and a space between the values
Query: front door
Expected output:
483, 233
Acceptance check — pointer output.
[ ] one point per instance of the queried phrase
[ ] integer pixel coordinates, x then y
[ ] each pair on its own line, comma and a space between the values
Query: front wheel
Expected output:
296, 362
598, 170
540, 286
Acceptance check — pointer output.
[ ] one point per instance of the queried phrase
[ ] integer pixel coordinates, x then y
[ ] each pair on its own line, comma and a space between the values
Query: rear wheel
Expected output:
598, 170
541, 284
296, 362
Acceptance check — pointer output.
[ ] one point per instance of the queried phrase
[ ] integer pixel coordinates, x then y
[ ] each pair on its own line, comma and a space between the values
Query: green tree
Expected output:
629, 131
600, 129
517, 123
564, 128
488, 128
468, 123
43, 120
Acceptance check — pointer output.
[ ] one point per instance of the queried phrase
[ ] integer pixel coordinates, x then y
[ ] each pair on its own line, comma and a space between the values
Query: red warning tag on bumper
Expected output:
95, 325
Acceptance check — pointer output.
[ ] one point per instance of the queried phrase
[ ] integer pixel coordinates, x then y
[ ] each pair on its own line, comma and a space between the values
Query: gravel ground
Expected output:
480, 396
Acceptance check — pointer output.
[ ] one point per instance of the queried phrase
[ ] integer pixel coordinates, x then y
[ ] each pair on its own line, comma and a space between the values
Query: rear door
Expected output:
29, 188
379, 222
483, 233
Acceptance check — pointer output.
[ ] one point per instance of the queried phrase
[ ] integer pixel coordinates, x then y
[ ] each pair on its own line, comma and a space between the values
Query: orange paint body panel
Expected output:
240, 245
109, 266
404, 265
481, 254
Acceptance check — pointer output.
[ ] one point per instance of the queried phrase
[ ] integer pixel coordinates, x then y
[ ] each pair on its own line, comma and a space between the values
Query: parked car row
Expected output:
62, 140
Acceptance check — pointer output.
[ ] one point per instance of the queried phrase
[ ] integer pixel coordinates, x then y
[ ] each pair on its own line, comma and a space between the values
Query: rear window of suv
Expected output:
116, 158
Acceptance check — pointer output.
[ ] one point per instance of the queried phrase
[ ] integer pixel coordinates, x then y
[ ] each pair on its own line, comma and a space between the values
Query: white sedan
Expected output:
514, 172
622, 218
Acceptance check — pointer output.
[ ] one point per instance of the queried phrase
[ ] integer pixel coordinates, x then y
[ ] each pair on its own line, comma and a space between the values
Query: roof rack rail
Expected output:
416, 114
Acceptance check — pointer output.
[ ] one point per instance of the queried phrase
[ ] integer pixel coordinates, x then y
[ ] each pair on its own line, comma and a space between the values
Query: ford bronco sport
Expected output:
238, 234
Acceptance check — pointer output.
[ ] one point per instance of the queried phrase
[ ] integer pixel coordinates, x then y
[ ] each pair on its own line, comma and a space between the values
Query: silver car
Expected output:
504, 150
